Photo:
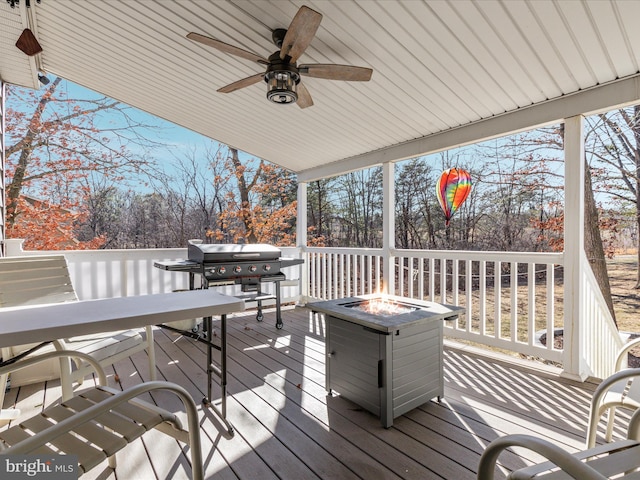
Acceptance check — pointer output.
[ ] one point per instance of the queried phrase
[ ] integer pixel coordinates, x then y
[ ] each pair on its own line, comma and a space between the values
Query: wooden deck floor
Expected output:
288, 428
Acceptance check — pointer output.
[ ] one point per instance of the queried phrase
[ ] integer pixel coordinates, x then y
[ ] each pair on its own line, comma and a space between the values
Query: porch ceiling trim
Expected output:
612, 95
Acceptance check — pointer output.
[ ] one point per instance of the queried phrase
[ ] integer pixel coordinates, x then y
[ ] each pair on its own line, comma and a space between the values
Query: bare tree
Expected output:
320, 211
53, 142
614, 141
415, 203
359, 208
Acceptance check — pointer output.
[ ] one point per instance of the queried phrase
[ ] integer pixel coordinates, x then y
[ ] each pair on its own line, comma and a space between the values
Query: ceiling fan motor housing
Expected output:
282, 79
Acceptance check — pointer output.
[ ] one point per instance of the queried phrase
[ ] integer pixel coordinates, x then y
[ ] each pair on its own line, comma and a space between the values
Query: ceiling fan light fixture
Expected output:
282, 86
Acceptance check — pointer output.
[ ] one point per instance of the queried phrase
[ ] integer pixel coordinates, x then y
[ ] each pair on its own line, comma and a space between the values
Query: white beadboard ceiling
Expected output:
440, 67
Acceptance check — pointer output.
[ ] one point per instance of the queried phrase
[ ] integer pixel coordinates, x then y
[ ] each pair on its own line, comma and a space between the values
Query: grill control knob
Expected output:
237, 269
222, 270
252, 268
266, 268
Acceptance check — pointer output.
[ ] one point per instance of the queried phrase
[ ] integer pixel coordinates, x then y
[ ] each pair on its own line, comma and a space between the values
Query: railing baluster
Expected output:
354, 275
342, 275
410, 276
482, 305
325, 268
514, 302
348, 274
319, 271
531, 303
361, 289
313, 261
432, 279
401, 275
443, 280
551, 322
334, 276
455, 273
497, 299
469, 294
421, 278
455, 281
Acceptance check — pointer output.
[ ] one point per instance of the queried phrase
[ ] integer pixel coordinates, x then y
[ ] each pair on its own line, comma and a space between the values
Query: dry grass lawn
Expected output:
626, 299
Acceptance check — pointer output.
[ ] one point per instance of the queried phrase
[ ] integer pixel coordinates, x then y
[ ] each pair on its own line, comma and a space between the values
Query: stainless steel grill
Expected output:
245, 265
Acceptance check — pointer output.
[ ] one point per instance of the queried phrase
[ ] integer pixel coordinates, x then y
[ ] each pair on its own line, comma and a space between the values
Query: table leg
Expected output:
208, 332
220, 372
278, 309
223, 364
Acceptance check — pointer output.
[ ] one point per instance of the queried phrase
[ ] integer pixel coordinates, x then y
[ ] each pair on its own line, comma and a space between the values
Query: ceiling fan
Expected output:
283, 73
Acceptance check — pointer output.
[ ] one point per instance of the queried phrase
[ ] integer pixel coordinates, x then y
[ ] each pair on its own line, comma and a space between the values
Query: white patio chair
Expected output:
99, 421
36, 280
613, 392
619, 459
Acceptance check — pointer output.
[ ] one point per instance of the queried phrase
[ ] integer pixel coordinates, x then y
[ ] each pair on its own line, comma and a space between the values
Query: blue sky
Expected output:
176, 141
171, 133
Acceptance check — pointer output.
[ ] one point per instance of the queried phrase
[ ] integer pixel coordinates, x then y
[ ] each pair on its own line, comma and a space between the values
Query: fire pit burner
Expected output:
382, 306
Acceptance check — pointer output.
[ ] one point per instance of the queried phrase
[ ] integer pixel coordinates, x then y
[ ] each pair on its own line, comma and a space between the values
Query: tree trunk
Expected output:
17, 182
636, 132
593, 243
245, 188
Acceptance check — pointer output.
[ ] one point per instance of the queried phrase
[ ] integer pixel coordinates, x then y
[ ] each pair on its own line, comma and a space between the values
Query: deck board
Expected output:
288, 427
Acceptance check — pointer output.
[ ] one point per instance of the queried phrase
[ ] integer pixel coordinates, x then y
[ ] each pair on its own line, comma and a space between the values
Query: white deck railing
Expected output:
343, 272
123, 273
511, 299
600, 340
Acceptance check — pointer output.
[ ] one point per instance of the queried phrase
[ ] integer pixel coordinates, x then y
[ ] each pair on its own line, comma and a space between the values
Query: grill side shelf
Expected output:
178, 266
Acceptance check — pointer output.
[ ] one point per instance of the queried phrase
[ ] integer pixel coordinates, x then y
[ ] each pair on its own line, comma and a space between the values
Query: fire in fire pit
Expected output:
382, 306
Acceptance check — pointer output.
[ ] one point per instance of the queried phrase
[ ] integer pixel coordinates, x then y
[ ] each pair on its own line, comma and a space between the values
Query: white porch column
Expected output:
388, 227
3, 210
301, 240
573, 363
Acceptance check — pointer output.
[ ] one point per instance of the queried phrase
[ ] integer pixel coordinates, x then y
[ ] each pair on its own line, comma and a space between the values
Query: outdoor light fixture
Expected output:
282, 87
44, 80
282, 79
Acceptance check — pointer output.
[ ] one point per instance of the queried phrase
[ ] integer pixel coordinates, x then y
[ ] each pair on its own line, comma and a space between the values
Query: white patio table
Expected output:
48, 322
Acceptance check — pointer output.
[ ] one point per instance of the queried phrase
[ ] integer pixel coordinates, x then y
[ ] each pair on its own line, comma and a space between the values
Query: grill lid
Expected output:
216, 253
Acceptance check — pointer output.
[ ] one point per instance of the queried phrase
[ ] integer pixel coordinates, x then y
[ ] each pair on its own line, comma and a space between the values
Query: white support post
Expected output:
3, 197
301, 240
388, 227
573, 364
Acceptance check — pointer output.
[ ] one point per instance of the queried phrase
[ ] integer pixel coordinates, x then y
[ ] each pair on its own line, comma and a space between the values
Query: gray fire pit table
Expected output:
387, 363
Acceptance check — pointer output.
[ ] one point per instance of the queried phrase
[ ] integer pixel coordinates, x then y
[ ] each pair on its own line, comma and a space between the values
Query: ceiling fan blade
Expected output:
336, 72
301, 31
304, 97
245, 82
226, 48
